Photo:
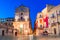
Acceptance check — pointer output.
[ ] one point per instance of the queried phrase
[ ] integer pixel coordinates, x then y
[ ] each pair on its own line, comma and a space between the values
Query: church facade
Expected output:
22, 21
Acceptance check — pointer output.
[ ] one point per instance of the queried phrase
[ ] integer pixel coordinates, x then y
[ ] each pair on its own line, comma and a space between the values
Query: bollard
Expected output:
2, 32
15, 33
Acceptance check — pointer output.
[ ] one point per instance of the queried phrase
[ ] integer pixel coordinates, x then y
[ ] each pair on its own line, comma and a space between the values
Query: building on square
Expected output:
22, 20
6, 24
54, 20
51, 20
39, 24
53, 13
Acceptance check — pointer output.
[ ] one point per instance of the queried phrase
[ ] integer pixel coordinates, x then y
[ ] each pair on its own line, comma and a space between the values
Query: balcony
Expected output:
53, 24
53, 16
58, 22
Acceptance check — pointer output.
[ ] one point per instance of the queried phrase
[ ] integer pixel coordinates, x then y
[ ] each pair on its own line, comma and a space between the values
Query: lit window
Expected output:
40, 20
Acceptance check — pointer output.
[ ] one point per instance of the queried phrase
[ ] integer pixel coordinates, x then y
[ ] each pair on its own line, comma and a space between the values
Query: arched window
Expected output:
40, 16
21, 18
21, 13
41, 20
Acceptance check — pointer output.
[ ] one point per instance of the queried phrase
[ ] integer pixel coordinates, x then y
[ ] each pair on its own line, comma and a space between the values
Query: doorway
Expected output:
54, 30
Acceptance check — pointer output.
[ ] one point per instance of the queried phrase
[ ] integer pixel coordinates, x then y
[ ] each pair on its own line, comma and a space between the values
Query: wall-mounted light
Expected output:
21, 26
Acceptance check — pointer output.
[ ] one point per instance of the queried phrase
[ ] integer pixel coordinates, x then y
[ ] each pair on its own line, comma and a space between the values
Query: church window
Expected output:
40, 16
21, 13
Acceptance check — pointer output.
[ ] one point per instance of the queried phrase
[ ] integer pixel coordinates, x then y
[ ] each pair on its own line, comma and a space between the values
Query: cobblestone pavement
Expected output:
28, 38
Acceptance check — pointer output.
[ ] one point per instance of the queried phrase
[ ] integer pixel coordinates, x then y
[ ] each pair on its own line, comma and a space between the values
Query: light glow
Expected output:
21, 26
26, 31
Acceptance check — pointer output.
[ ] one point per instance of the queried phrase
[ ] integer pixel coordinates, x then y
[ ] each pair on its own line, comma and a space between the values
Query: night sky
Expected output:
7, 7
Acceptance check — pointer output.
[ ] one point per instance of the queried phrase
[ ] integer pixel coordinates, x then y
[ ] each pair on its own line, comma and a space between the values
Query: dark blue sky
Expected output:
7, 7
